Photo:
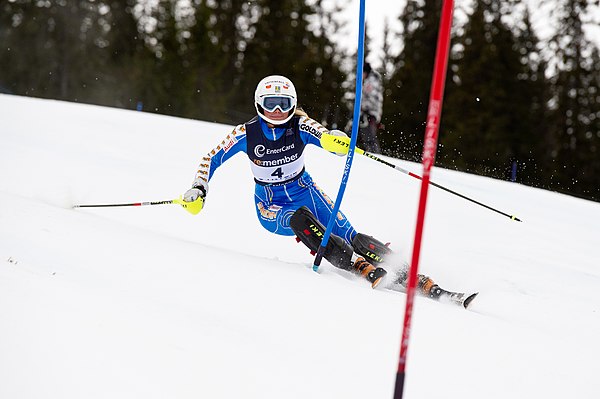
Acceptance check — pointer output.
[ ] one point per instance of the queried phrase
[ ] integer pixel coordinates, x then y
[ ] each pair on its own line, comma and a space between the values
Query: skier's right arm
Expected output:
231, 145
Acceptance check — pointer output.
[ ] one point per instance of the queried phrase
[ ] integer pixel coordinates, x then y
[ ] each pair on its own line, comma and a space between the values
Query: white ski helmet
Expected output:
274, 92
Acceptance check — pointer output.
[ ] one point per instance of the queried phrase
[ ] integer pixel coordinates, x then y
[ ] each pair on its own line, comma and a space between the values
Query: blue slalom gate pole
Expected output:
350, 156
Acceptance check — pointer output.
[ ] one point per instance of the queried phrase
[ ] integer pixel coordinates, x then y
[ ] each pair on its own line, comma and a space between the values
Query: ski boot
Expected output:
457, 298
373, 252
376, 252
373, 274
427, 287
338, 252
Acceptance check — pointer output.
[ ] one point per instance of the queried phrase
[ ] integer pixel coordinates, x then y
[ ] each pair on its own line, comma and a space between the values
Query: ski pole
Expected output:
398, 168
192, 207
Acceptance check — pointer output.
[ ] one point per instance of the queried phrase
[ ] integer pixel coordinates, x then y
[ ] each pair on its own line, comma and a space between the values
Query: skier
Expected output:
288, 202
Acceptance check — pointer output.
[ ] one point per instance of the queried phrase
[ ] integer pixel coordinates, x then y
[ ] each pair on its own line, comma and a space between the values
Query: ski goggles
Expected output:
272, 103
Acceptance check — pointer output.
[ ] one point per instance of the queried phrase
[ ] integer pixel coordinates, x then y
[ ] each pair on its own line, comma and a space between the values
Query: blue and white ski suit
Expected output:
277, 162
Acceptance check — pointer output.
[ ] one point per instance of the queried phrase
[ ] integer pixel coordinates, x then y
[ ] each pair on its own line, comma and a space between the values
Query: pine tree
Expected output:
283, 42
124, 76
22, 26
219, 38
328, 101
50, 48
387, 59
530, 151
171, 76
576, 104
407, 92
482, 127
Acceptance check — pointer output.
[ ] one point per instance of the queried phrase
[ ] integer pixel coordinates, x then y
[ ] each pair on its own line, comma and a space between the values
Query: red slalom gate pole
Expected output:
429, 149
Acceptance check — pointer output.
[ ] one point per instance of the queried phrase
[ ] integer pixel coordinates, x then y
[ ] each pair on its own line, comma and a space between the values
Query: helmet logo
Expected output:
277, 89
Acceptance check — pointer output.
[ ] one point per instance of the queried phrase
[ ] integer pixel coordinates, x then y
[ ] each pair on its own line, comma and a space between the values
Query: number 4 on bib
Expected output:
277, 173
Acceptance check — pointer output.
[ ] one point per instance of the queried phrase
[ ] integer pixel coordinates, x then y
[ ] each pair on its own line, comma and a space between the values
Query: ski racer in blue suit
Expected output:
274, 141
288, 202
282, 184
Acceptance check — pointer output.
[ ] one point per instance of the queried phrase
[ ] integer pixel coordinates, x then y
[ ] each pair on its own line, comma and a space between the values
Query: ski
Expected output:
467, 301
441, 295
457, 298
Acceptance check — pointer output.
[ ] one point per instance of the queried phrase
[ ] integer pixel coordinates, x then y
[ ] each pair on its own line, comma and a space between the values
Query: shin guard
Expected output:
310, 231
372, 249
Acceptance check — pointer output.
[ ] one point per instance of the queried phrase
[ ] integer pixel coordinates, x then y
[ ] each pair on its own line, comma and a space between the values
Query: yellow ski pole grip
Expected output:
193, 207
337, 144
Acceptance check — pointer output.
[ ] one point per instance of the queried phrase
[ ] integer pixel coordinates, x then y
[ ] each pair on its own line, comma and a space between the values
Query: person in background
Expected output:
371, 107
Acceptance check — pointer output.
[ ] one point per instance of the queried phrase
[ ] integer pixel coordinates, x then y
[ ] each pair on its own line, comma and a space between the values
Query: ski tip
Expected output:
469, 299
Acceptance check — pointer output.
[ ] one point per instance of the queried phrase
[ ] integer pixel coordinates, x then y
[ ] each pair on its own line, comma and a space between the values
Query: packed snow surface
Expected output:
152, 302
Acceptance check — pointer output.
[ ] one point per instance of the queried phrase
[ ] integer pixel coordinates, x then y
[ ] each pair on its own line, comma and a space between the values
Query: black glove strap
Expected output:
202, 190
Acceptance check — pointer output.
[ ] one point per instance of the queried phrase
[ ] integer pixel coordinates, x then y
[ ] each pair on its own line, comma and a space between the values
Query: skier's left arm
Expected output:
312, 132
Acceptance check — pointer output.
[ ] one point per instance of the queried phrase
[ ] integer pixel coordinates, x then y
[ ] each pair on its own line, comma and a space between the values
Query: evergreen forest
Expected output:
515, 107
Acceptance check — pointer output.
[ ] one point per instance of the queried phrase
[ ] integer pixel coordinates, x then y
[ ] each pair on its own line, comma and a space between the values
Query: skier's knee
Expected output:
310, 231
307, 228
370, 248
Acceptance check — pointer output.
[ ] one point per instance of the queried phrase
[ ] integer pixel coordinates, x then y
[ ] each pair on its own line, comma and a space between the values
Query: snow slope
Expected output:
151, 302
